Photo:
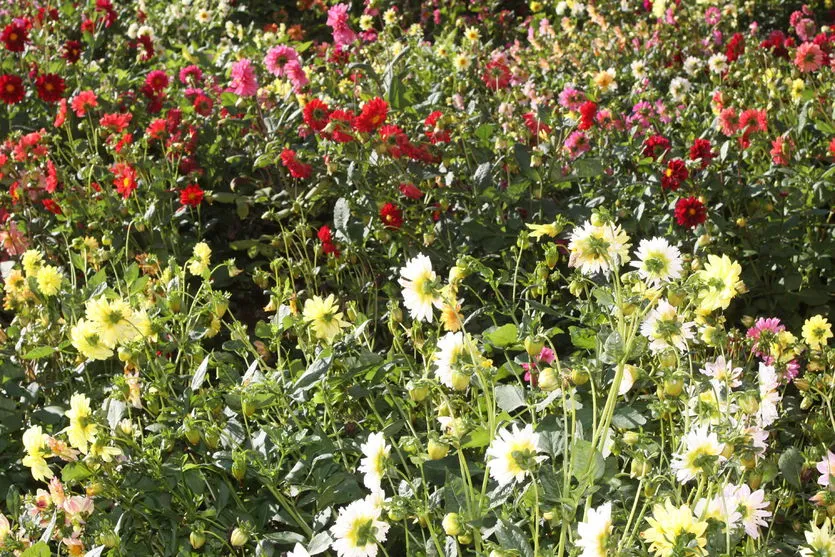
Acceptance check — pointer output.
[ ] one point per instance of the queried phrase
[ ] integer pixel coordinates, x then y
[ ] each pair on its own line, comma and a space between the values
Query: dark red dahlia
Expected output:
11, 89
675, 173
655, 146
72, 51
690, 212
14, 36
50, 87
703, 151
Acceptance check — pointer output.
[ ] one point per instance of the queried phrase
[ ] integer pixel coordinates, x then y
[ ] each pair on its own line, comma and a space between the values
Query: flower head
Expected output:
82, 429
513, 454
358, 529
373, 464
596, 248
719, 282
817, 331
664, 328
324, 316
34, 443
594, 532
673, 527
658, 261
420, 291
699, 447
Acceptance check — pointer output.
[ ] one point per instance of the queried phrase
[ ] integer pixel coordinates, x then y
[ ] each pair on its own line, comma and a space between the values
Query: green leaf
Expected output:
511, 536
790, 463
39, 353
40, 549
501, 336
510, 397
586, 462
200, 374
75, 471
582, 337
314, 373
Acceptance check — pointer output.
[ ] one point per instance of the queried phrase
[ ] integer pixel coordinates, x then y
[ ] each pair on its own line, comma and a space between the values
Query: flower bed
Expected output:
414, 278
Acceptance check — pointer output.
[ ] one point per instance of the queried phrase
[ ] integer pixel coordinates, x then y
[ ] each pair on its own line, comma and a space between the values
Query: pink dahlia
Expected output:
244, 82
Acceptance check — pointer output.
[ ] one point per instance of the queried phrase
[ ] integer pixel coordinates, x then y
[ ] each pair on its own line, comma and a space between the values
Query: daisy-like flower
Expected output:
718, 63
639, 69
826, 467
817, 331
454, 349
723, 372
597, 248
373, 464
692, 65
722, 507
672, 527
595, 531
34, 443
31, 260
605, 80
751, 507
324, 316
664, 328
85, 338
358, 529
49, 279
113, 320
819, 541
513, 454
657, 261
462, 62
699, 447
719, 282
82, 429
679, 87
420, 289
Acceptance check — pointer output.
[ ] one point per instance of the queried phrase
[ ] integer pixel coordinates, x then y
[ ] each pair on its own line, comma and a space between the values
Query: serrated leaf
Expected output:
511, 537
509, 397
790, 464
39, 353
501, 336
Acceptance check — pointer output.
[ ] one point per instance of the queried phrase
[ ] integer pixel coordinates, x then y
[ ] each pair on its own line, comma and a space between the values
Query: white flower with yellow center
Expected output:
596, 248
358, 529
513, 454
420, 289
373, 464
453, 350
722, 372
664, 328
657, 261
594, 532
699, 448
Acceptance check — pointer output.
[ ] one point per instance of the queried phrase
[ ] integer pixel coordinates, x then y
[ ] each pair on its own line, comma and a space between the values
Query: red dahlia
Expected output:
72, 51
372, 116
316, 114
702, 150
411, 191
496, 75
50, 87
14, 36
434, 132
191, 195
391, 216
11, 89
690, 212
156, 81
124, 178
655, 146
675, 173
296, 168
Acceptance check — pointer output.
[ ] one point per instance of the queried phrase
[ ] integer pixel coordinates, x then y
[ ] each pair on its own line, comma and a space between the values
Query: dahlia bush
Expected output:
530, 279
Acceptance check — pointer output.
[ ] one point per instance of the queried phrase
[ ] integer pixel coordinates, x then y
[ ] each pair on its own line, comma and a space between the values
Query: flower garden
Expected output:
435, 278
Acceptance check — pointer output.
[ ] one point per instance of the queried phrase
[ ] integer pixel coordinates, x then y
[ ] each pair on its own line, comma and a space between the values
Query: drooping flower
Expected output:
596, 248
817, 331
672, 527
513, 454
324, 316
359, 529
296, 168
201, 257
770, 396
34, 443
420, 288
826, 467
664, 328
657, 261
82, 429
373, 464
594, 532
453, 350
701, 150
